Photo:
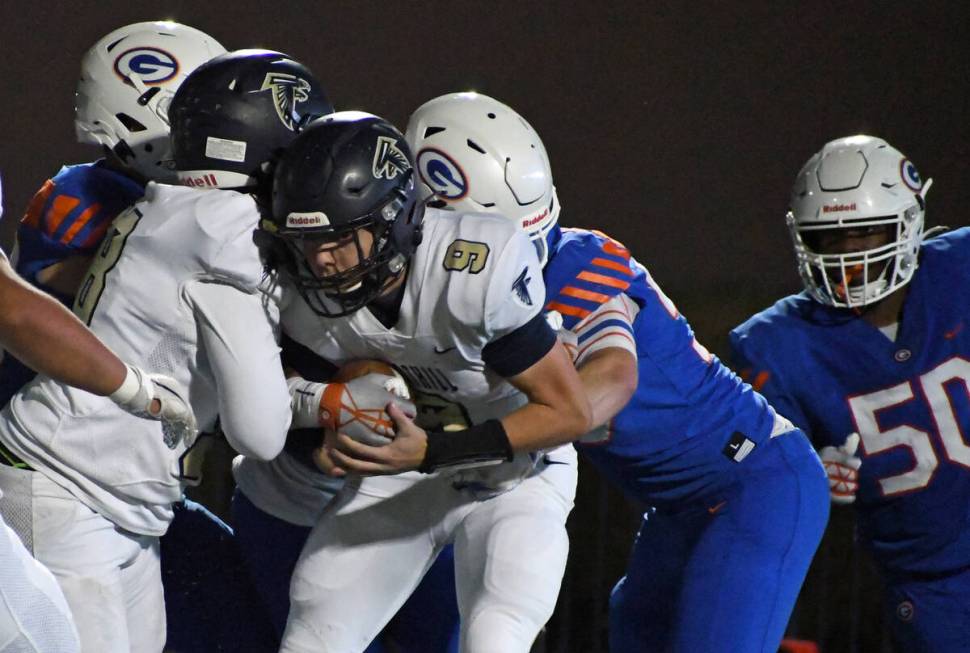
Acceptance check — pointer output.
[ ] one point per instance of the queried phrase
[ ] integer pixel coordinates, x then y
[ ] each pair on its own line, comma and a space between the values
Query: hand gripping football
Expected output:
354, 402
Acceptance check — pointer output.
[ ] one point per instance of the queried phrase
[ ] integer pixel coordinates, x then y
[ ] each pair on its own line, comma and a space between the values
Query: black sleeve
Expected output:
519, 350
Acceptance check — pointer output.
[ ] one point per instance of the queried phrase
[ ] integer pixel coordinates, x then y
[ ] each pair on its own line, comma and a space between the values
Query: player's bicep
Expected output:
239, 344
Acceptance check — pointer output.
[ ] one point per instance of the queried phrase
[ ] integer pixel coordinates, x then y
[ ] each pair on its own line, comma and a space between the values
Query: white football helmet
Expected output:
127, 82
477, 154
856, 182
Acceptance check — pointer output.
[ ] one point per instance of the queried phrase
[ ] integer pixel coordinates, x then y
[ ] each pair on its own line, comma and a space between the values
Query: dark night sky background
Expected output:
677, 128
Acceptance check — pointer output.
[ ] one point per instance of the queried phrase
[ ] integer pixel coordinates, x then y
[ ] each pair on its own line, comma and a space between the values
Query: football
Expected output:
360, 418
357, 368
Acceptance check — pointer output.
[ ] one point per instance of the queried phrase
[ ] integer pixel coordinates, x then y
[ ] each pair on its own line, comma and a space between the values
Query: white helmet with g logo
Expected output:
478, 155
857, 182
128, 79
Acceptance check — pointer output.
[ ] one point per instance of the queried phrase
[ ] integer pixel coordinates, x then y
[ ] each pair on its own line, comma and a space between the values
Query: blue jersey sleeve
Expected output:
756, 371
70, 214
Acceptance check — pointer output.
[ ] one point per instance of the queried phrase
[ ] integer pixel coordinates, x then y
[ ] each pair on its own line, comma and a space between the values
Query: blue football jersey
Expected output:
68, 216
833, 374
658, 448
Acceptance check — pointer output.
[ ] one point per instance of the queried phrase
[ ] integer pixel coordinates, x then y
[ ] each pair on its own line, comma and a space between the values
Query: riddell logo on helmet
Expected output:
536, 219
312, 219
836, 208
207, 180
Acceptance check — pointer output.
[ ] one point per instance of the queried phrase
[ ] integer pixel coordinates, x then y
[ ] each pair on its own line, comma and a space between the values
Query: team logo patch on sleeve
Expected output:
389, 160
520, 288
288, 91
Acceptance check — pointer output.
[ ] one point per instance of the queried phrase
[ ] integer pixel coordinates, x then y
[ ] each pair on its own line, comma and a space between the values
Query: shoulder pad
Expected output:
586, 270
219, 233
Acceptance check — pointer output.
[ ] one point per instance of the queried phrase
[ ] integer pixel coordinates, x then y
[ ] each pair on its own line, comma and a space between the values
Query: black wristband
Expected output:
483, 443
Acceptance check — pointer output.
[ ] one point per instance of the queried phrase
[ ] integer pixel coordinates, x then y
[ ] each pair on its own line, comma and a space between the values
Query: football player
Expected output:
176, 284
456, 305
127, 82
34, 616
871, 361
739, 494
274, 507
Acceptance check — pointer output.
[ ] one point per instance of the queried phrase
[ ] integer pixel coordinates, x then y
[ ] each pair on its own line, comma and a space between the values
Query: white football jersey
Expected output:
173, 289
472, 280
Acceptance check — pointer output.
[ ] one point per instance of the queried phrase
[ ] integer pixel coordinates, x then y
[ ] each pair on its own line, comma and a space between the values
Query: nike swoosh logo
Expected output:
713, 509
444, 351
885, 185
952, 333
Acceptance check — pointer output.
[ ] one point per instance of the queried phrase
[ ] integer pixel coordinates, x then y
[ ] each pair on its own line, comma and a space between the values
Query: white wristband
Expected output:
128, 388
305, 399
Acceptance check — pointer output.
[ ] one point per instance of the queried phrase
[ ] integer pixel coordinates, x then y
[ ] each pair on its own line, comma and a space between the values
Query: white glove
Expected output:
140, 390
356, 408
842, 467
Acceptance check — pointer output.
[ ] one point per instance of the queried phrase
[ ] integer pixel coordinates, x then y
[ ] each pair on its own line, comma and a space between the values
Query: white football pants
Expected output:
34, 617
110, 577
380, 535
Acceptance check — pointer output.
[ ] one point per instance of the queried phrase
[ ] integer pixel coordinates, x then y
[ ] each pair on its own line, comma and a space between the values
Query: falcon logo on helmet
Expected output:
288, 91
389, 160
151, 65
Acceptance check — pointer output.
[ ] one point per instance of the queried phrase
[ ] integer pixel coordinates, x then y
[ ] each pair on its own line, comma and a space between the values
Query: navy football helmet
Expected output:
234, 114
345, 173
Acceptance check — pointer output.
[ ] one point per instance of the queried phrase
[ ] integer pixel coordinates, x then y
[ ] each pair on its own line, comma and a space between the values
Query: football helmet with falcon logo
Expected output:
345, 174
233, 115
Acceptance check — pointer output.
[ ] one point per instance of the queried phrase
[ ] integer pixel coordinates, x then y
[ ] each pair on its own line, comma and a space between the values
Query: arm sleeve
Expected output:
610, 325
236, 334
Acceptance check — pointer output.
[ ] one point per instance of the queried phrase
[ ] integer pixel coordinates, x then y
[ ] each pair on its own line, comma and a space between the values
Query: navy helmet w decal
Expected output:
233, 115
344, 174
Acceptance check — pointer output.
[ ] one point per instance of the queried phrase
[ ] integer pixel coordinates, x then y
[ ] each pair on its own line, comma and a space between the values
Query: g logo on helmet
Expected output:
910, 175
152, 65
442, 174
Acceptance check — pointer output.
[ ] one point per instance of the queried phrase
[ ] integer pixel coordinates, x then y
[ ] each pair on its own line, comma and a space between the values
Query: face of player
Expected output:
848, 241
329, 259
852, 241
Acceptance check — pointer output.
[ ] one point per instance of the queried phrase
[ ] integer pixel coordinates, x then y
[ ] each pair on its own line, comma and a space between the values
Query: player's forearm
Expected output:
609, 378
558, 410
537, 426
238, 341
47, 337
